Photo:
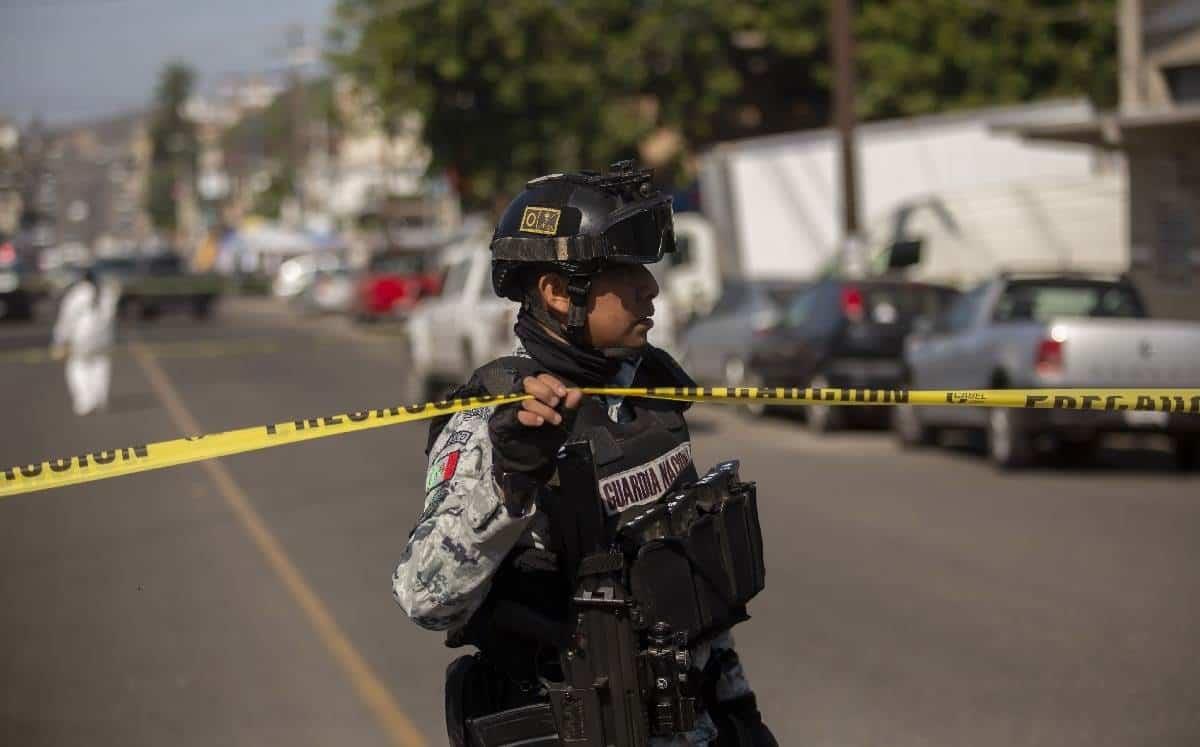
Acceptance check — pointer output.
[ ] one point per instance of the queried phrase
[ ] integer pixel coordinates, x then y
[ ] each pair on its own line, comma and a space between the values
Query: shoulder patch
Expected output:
442, 469
479, 412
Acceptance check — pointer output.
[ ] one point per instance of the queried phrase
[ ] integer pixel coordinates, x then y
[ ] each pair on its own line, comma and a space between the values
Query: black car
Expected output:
844, 333
16, 300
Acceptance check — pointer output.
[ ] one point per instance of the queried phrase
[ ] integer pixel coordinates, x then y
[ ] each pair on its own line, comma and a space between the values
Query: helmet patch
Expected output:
541, 220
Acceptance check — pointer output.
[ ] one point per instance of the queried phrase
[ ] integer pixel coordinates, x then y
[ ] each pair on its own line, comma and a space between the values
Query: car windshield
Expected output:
456, 277
165, 264
115, 266
890, 304
782, 295
1044, 301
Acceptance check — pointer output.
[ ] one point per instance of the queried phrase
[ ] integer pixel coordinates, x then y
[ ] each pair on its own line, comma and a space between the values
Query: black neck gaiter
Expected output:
590, 367
578, 366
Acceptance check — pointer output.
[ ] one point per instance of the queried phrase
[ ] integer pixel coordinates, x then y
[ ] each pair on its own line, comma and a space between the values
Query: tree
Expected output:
508, 90
924, 56
264, 142
512, 89
173, 147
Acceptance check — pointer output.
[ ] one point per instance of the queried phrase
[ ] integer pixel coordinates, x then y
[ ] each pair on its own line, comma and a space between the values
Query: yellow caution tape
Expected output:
1153, 400
100, 465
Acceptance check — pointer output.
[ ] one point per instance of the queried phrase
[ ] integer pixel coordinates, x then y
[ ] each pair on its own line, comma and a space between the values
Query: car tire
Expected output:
1008, 445
822, 419
202, 308
910, 431
1187, 452
1080, 452
738, 373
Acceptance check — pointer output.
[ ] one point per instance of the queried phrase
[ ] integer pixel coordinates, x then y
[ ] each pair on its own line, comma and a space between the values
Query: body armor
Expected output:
647, 560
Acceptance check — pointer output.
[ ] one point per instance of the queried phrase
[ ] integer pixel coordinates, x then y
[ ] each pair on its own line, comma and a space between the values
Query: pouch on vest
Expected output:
697, 555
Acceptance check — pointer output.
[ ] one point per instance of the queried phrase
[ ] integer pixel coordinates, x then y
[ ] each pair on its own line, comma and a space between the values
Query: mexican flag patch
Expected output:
442, 469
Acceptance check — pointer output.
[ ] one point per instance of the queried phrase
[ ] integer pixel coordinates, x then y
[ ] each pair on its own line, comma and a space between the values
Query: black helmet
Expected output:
577, 223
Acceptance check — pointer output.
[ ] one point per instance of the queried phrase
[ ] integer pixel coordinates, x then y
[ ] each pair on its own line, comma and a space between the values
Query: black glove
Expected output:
521, 448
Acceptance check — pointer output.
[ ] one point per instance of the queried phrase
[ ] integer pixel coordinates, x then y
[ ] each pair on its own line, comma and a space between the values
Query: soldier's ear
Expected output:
552, 288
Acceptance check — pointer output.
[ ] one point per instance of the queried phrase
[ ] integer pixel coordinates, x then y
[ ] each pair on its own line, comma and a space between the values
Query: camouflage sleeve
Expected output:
464, 531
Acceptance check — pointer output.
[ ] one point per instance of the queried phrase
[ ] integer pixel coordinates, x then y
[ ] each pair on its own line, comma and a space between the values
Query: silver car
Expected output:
715, 349
1051, 331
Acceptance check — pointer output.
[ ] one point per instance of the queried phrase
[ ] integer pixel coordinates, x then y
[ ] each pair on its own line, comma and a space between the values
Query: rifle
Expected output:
616, 692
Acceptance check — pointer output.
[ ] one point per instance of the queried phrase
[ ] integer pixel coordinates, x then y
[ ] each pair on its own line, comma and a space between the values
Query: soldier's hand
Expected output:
548, 395
527, 435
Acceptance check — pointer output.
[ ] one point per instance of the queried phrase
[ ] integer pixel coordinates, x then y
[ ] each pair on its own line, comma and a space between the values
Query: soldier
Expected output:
489, 560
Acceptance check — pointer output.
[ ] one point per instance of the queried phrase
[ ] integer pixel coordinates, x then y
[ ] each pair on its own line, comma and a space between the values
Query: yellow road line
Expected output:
399, 728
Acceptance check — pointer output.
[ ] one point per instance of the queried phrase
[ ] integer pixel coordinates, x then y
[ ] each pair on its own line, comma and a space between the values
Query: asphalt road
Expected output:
912, 599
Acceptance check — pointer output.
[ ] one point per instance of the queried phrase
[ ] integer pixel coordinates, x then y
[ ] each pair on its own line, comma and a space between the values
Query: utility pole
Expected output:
297, 55
842, 44
1129, 47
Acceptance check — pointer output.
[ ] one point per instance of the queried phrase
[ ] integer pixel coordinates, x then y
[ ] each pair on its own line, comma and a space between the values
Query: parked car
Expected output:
715, 348
394, 282
16, 299
297, 274
152, 284
465, 326
331, 291
843, 333
1036, 331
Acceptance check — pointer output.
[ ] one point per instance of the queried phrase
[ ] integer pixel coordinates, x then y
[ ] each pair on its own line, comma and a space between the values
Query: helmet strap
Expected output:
577, 289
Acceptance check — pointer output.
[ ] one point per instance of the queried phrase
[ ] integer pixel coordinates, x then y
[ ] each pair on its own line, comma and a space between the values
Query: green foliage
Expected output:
923, 56
267, 137
513, 89
509, 90
269, 202
160, 198
172, 144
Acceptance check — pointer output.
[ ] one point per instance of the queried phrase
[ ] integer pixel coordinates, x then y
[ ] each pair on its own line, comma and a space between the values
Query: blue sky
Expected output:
72, 60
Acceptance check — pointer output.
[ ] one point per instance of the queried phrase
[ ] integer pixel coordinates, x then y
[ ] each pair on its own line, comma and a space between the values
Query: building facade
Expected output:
1157, 128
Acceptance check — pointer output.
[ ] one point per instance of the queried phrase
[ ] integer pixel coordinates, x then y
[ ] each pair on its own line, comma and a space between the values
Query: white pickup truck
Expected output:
467, 325
1050, 331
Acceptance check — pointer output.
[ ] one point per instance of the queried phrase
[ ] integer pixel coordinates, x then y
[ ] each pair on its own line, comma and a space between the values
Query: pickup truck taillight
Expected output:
852, 303
1049, 358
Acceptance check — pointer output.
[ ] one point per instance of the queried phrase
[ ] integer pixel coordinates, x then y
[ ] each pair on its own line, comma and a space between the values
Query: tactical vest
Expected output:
691, 558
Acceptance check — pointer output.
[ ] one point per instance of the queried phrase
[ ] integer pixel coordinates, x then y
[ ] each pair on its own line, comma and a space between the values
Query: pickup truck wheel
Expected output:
1079, 453
909, 430
824, 418
202, 307
1009, 446
1187, 452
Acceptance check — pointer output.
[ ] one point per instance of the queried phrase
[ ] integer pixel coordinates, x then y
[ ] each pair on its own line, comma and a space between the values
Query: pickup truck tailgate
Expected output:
1128, 353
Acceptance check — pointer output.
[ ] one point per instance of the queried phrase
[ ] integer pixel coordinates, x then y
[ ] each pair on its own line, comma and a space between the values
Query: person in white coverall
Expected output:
83, 334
